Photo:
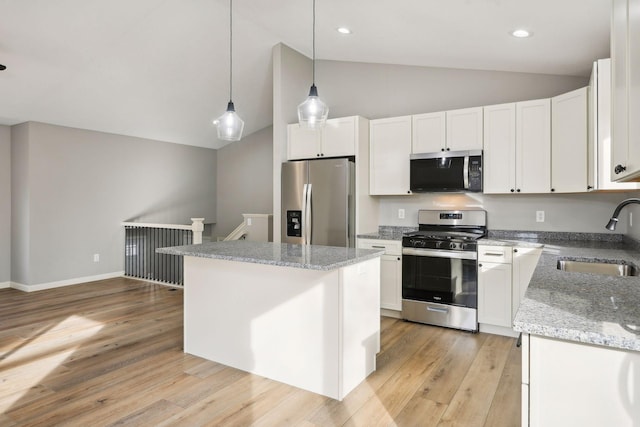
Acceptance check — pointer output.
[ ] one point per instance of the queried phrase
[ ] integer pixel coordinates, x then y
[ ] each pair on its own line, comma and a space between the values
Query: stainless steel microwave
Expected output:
453, 171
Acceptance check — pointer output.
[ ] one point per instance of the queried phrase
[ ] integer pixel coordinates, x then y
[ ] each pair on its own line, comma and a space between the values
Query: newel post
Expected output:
197, 228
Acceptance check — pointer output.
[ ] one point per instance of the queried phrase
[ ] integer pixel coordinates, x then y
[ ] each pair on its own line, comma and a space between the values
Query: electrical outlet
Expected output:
401, 213
539, 216
248, 221
96, 257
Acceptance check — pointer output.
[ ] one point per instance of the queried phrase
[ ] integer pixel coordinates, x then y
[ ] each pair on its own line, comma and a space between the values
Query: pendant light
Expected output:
313, 113
229, 124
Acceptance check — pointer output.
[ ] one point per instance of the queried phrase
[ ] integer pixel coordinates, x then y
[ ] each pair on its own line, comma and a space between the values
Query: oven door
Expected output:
445, 277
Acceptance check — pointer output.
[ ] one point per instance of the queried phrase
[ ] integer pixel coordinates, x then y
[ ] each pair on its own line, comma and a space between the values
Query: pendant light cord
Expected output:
313, 49
231, 50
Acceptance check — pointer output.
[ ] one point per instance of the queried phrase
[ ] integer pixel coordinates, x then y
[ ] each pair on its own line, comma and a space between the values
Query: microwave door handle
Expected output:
465, 172
308, 218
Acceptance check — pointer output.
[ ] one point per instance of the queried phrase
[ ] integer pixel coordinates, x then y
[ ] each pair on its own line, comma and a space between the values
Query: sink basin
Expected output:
612, 268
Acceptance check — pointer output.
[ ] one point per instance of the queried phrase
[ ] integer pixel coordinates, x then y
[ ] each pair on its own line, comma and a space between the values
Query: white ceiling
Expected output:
158, 69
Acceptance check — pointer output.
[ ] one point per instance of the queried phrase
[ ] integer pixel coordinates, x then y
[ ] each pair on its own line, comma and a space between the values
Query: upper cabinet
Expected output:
454, 130
625, 72
429, 132
390, 149
499, 169
336, 139
517, 147
533, 146
599, 148
569, 142
464, 129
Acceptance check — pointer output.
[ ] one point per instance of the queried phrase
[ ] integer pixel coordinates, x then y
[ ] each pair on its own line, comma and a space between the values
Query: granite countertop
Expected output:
583, 307
310, 257
388, 232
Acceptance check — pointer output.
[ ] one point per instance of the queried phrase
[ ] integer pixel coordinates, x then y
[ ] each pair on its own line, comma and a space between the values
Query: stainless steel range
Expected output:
440, 268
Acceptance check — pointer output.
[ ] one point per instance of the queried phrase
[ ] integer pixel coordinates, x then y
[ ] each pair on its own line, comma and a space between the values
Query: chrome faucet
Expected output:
614, 219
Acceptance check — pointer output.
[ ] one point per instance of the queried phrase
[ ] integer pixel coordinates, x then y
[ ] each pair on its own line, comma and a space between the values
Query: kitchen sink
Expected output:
610, 268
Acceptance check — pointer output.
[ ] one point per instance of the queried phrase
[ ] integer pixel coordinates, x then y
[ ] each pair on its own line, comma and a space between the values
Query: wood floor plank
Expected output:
110, 353
470, 405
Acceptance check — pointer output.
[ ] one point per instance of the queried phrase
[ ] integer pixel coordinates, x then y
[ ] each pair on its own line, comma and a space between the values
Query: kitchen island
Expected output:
307, 316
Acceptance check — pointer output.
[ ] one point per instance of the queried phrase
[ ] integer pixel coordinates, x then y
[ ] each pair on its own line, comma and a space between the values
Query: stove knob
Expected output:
453, 245
438, 244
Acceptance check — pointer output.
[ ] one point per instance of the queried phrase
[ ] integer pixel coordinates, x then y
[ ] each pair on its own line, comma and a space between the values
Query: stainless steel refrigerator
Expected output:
318, 202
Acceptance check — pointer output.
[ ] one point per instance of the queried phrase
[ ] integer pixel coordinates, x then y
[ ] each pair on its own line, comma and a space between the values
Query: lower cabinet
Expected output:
566, 383
390, 271
504, 273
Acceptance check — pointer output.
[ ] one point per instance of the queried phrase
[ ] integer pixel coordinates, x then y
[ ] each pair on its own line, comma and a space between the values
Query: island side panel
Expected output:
360, 322
278, 322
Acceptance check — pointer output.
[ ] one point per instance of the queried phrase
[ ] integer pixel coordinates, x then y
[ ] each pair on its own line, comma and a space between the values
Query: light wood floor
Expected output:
110, 353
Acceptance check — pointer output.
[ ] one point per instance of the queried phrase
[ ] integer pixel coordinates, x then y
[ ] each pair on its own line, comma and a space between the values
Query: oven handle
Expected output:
439, 254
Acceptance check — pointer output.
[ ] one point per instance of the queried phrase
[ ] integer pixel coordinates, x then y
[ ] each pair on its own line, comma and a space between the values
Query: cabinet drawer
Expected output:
500, 254
391, 247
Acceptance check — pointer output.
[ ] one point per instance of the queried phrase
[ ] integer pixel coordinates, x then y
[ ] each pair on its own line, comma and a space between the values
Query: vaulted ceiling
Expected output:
158, 69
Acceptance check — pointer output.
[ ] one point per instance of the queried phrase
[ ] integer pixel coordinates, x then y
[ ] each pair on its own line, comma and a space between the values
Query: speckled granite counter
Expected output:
312, 257
388, 232
582, 307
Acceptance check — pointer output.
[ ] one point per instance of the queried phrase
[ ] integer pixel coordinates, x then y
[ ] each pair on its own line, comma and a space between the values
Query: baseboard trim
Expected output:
498, 330
68, 282
391, 313
4, 285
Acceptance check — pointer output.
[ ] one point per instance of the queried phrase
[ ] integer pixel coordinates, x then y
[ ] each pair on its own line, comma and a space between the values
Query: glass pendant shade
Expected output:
313, 113
229, 124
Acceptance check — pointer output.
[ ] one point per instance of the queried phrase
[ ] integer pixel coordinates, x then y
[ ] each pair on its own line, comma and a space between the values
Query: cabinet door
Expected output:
619, 85
533, 146
569, 142
573, 384
525, 261
390, 148
339, 137
391, 282
499, 168
429, 133
464, 129
633, 156
494, 294
302, 142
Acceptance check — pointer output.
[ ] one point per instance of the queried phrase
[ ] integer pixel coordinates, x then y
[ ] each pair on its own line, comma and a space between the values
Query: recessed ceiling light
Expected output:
521, 34
344, 30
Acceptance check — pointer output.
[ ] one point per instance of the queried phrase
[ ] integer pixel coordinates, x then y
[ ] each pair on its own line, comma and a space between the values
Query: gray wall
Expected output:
74, 187
563, 212
5, 204
380, 90
244, 180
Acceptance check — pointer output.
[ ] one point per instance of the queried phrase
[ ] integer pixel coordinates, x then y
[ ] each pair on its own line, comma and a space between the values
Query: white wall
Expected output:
634, 230
5, 204
244, 180
569, 212
74, 187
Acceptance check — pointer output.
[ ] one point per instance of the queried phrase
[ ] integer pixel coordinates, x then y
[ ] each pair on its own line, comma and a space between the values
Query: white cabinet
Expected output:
429, 132
572, 384
569, 142
464, 129
390, 149
599, 166
625, 72
533, 146
504, 273
517, 147
494, 293
390, 271
454, 130
336, 139
499, 157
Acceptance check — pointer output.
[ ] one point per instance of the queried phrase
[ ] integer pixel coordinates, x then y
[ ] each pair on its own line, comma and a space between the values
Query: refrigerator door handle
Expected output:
304, 224
308, 225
